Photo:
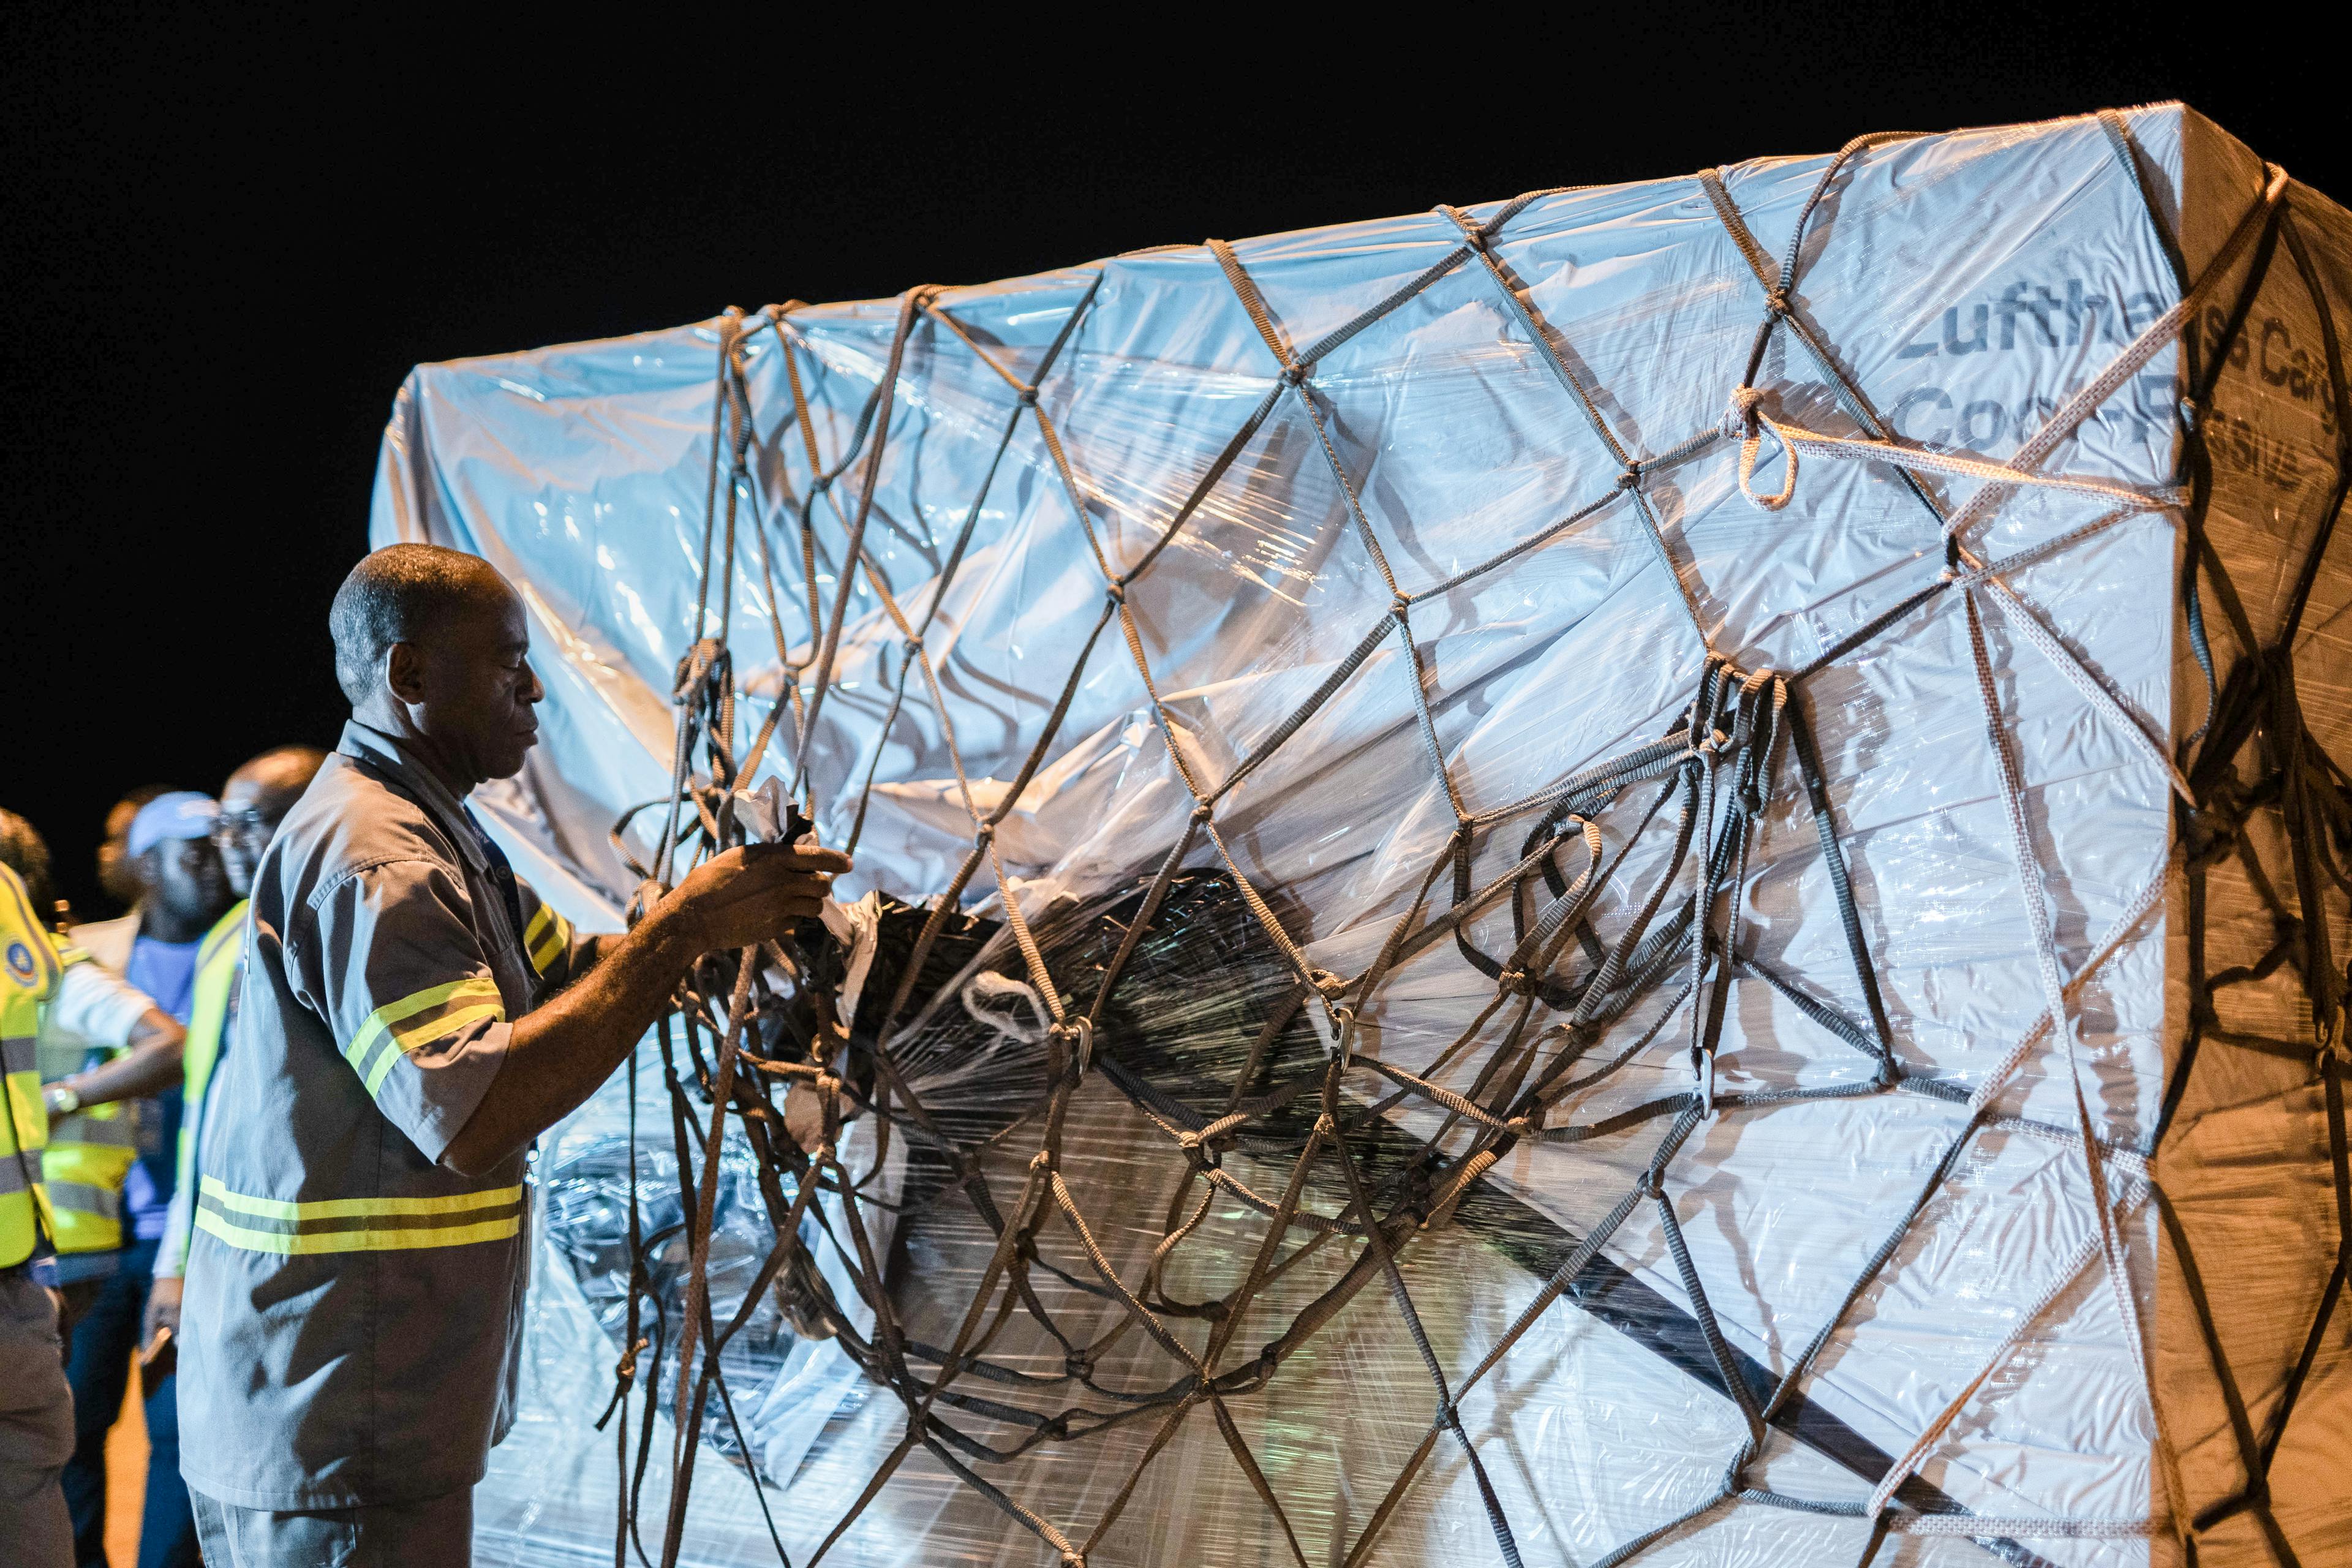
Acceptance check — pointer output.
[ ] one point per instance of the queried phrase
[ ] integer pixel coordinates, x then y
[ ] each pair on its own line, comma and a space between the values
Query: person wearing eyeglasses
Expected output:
252, 803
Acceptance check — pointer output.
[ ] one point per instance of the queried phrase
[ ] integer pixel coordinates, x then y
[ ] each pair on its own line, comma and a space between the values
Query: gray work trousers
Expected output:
37, 1426
436, 1533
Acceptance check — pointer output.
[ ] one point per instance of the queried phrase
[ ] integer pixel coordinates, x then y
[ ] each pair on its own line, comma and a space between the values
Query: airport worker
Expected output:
412, 1018
81, 1013
253, 802
117, 878
114, 1200
99, 1041
36, 1406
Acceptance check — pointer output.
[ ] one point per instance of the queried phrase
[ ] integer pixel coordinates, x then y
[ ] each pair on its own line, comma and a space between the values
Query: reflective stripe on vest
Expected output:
87, 1163
14, 1176
357, 1225
29, 971
26, 1127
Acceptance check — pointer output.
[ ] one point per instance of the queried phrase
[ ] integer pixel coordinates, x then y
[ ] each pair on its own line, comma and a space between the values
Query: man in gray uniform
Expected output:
413, 1017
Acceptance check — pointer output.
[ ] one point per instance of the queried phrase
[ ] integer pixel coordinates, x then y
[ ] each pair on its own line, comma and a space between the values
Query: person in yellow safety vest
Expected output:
36, 1406
253, 802
90, 1012
109, 1165
109, 1176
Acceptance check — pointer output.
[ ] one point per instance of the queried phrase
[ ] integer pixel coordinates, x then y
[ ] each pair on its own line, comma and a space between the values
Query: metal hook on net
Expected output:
1080, 1029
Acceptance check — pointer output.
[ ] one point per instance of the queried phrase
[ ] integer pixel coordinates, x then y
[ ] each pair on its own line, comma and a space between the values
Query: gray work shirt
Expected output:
352, 1311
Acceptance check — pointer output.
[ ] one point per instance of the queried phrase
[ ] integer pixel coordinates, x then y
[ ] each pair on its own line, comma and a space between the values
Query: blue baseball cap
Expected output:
182, 813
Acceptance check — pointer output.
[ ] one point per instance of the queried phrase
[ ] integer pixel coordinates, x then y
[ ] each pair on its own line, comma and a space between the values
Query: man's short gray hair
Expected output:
393, 595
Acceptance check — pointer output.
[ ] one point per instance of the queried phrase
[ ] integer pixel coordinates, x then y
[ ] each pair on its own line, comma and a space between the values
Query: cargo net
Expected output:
1262, 1055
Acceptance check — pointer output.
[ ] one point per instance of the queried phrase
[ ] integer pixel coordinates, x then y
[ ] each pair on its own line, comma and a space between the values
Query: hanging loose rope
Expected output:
1564, 998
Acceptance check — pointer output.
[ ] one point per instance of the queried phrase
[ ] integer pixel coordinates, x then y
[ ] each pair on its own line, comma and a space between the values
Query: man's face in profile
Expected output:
479, 694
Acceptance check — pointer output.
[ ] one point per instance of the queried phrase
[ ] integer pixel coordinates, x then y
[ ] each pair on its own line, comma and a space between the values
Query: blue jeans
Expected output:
436, 1533
99, 1368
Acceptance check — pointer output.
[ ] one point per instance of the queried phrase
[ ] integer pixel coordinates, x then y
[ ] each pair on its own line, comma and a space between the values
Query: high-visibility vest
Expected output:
29, 970
216, 969
89, 1158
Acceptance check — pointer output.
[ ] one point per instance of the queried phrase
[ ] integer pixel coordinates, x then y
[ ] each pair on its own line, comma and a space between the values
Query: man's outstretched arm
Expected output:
557, 1056
150, 1063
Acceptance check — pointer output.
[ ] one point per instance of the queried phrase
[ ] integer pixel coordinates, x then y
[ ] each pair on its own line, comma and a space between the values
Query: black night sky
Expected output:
225, 242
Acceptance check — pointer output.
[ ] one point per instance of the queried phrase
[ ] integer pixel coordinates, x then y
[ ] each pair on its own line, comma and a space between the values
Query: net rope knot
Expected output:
707, 658
1741, 415
1198, 1151
1752, 424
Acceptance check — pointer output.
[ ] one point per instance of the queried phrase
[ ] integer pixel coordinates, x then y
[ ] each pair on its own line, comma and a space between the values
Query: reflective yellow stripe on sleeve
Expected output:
427, 1016
549, 935
356, 1225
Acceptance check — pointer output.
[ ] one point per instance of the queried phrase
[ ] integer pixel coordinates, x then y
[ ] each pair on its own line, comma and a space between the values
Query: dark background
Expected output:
223, 245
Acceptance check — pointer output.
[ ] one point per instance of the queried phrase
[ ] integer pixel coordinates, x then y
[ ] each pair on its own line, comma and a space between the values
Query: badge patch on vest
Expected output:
21, 964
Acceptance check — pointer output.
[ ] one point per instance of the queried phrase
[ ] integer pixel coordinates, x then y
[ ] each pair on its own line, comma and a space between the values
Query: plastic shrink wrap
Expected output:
1454, 547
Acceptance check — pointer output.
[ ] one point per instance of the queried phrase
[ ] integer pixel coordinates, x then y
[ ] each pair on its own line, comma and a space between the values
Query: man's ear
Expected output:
405, 671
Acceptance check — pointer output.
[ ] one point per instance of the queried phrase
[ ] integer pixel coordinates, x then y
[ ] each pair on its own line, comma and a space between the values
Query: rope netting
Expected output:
1567, 1007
